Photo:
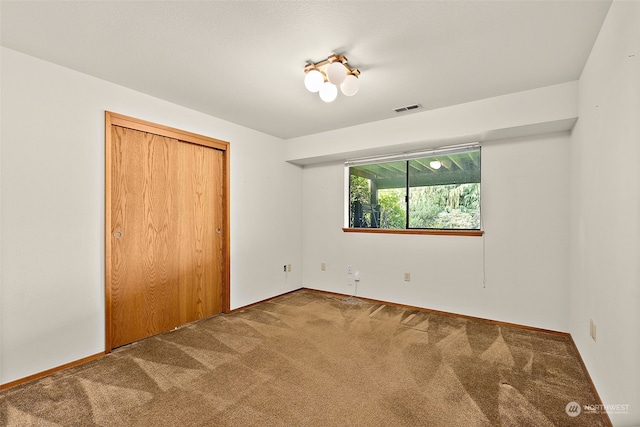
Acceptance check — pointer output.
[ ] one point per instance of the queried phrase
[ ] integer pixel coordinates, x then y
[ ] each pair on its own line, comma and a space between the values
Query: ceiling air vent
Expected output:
407, 108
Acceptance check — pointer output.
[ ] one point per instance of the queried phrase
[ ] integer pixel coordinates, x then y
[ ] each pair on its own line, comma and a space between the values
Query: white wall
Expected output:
525, 206
605, 213
52, 211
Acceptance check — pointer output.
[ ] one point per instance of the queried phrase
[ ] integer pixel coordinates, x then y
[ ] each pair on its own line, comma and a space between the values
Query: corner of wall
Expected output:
605, 232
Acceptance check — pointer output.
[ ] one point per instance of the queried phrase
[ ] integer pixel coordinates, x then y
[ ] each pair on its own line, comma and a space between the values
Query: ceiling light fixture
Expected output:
325, 76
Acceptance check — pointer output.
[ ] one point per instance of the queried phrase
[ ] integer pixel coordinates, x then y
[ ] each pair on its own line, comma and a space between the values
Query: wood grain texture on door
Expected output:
200, 243
167, 240
145, 264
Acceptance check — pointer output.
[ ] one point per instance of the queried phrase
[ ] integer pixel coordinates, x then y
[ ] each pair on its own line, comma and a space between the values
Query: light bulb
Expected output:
336, 73
313, 81
350, 86
328, 92
435, 164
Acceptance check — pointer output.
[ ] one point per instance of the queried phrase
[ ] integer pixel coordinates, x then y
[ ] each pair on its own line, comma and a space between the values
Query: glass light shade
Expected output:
435, 164
350, 86
328, 92
313, 81
336, 73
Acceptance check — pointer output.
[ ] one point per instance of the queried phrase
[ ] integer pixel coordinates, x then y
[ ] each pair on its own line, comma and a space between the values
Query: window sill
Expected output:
415, 231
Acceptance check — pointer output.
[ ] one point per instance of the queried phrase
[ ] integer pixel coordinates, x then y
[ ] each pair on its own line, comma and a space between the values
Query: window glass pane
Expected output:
377, 195
444, 191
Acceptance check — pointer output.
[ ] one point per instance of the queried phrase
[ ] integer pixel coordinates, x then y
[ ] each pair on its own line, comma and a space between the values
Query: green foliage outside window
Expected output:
445, 206
392, 208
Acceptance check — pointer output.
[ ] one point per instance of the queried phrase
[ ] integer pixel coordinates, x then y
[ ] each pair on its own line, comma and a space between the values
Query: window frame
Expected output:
406, 157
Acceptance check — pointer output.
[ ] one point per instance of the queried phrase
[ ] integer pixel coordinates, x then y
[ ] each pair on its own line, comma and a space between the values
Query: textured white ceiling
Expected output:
243, 61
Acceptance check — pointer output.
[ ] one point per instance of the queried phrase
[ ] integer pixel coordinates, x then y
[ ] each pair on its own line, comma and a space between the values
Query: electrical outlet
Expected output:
407, 277
284, 268
323, 267
592, 329
349, 269
288, 267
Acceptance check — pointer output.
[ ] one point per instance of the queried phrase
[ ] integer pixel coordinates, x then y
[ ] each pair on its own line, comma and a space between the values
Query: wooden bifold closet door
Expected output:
167, 229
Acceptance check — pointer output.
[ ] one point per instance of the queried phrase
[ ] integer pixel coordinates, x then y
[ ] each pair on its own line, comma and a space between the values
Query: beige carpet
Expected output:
309, 359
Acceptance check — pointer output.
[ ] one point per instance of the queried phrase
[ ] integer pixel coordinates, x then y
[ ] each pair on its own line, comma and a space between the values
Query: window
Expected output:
434, 190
